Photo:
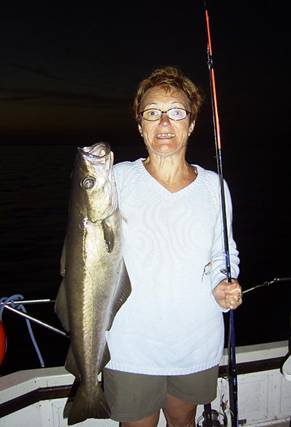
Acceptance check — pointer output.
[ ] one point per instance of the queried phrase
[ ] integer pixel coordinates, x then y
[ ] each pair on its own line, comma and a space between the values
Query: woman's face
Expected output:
165, 137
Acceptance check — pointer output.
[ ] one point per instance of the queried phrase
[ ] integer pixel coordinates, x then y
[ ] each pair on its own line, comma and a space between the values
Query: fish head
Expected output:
96, 181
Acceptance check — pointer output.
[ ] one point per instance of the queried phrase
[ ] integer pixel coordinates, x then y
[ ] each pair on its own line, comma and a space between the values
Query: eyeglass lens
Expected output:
155, 114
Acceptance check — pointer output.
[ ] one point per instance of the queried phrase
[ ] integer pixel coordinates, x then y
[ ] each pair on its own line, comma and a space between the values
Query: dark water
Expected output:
35, 183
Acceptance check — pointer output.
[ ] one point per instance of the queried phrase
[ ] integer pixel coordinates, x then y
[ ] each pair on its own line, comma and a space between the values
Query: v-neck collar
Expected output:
161, 187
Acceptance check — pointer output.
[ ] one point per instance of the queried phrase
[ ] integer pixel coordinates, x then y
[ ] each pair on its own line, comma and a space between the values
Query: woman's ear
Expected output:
140, 130
191, 127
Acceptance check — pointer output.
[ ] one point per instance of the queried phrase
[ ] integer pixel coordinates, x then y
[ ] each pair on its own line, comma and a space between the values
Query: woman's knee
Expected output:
150, 421
179, 413
180, 422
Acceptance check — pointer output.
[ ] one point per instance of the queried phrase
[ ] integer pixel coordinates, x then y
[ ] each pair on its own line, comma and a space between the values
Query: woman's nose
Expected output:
164, 120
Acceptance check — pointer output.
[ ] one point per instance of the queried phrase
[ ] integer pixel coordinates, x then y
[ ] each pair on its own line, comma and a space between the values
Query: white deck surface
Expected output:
264, 397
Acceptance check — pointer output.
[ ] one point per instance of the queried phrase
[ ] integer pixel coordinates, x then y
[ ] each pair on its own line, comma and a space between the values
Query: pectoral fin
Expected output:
108, 234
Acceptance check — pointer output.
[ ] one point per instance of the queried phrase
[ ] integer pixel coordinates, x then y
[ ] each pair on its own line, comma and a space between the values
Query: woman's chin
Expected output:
164, 150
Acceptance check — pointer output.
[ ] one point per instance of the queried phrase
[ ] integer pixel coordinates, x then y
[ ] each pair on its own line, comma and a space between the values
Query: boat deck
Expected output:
37, 397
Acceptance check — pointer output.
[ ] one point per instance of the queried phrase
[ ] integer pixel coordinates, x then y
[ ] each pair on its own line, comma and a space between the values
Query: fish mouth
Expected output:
165, 135
100, 149
97, 153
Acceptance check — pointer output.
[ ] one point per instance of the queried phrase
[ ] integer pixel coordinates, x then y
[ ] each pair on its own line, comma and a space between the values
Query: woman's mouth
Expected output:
165, 135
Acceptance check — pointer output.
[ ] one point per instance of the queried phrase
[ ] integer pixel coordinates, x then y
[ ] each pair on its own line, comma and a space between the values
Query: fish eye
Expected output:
88, 182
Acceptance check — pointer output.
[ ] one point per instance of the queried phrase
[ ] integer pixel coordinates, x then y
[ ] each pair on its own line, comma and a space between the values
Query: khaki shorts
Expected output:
132, 397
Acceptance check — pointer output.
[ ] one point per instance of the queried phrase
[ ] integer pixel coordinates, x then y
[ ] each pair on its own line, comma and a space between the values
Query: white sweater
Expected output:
173, 251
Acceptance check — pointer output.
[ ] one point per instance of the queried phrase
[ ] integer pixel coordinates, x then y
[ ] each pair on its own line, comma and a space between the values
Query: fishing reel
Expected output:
211, 419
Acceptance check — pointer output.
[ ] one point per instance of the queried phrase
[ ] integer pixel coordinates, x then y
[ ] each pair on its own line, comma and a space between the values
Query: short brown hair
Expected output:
169, 78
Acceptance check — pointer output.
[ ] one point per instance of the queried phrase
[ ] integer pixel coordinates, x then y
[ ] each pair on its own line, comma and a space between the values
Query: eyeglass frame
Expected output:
164, 112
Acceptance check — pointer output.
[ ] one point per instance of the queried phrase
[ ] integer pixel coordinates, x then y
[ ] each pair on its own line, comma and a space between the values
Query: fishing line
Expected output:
268, 283
232, 369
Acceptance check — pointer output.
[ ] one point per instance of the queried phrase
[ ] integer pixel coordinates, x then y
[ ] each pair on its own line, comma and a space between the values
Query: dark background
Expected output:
68, 76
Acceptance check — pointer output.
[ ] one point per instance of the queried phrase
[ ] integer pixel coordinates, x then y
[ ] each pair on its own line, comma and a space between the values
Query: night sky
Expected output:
74, 69
68, 75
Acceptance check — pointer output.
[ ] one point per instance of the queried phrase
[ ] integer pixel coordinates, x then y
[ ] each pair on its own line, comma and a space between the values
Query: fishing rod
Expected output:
232, 369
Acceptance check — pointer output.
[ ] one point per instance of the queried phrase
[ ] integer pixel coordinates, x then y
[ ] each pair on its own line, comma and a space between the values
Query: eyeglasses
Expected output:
153, 114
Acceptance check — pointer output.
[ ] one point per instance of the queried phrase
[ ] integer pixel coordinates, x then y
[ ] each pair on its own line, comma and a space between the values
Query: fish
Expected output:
95, 282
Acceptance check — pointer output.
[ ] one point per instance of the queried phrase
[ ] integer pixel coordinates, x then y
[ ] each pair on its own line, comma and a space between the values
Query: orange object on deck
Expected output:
3, 343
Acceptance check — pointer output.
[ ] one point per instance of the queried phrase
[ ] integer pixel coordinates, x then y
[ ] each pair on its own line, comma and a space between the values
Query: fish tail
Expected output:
88, 404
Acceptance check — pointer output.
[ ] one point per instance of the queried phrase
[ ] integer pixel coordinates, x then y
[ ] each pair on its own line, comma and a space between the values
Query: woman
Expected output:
167, 339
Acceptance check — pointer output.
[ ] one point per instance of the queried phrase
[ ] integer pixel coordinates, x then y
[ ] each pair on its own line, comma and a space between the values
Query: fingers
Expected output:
228, 295
234, 298
233, 304
233, 294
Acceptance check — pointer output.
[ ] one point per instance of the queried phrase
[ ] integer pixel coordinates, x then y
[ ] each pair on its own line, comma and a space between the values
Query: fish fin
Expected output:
87, 404
61, 306
70, 399
108, 234
71, 364
123, 287
63, 259
105, 358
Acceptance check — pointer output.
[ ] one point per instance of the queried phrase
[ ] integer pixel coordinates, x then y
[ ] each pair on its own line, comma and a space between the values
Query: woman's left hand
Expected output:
228, 295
